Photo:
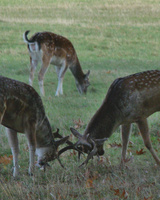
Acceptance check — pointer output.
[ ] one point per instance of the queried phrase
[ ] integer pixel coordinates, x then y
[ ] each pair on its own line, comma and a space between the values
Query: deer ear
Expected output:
87, 137
100, 141
61, 141
87, 74
76, 133
56, 134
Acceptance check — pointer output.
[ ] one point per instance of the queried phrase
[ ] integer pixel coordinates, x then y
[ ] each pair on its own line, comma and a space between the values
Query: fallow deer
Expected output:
50, 48
21, 110
131, 99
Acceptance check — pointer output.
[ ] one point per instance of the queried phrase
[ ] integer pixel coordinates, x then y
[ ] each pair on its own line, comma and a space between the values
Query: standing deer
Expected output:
21, 110
49, 48
129, 99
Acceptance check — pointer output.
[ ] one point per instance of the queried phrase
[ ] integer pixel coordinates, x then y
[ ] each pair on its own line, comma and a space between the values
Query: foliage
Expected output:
112, 39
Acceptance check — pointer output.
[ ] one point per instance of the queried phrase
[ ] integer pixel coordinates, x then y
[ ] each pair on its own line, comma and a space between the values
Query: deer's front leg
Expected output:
33, 64
60, 74
31, 136
125, 129
45, 65
13, 142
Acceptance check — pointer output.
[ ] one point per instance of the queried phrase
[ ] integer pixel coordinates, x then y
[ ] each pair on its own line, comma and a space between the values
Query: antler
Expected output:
91, 154
92, 145
60, 162
57, 135
79, 149
71, 145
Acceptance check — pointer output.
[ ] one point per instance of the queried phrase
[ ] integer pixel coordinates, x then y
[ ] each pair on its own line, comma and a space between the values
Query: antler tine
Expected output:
57, 135
60, 162
91, 154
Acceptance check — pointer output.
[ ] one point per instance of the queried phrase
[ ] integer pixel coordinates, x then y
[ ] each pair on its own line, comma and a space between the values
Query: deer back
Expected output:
136, 96
52, 45
21, 103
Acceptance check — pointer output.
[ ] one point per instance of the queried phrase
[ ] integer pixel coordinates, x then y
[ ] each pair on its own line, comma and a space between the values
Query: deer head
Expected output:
47, 154
83, 85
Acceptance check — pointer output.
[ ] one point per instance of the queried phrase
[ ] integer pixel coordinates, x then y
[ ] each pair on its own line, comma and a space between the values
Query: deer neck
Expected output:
77, 71
104, 122
44, 135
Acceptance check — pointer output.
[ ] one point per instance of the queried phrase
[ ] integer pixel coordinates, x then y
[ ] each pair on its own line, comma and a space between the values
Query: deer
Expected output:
22, 110
130, 99
50, 48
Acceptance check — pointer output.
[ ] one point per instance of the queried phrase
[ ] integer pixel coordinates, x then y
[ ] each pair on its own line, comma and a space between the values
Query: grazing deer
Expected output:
21, 110
49, 48
129, 99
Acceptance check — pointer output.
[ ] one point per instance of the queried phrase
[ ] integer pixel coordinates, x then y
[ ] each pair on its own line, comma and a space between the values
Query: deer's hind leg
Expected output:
13, 142
143, 127
45, 64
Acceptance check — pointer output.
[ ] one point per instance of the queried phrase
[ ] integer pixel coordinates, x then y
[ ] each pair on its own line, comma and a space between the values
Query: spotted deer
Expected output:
131, 99
50, 48
21, 110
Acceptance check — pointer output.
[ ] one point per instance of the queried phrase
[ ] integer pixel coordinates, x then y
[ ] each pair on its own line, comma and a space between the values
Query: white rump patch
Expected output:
33, 47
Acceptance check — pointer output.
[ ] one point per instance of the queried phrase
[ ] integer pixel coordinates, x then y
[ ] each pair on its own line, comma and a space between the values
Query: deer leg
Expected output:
143, 127
31, 136
33, 64
13, 142
60, 74
125, 130
45, 65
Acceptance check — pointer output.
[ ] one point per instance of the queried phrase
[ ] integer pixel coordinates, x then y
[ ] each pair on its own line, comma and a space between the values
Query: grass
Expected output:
112, 39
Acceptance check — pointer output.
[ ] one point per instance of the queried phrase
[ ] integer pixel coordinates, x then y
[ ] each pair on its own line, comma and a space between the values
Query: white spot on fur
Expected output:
33, 47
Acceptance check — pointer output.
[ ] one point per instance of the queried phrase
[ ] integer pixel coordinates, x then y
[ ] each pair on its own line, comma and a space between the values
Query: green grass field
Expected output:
112, 39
